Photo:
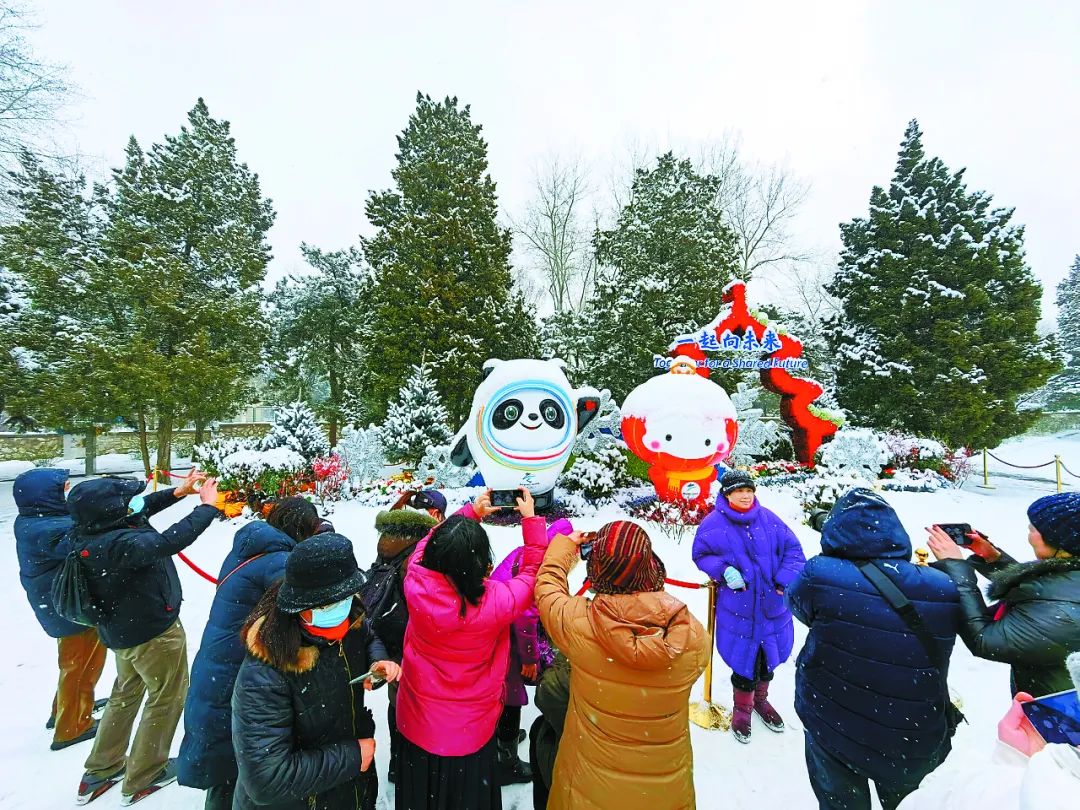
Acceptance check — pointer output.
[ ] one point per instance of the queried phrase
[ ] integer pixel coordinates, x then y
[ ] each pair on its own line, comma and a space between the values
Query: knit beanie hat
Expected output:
1057, 517
736, 479
1073, 664
622, 560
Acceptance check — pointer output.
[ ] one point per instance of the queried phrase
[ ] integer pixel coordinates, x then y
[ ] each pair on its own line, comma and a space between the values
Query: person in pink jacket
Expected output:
457, 651
528, 646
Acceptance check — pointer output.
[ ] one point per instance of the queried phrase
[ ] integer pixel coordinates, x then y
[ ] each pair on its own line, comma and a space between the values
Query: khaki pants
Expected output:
158, 667
81, 658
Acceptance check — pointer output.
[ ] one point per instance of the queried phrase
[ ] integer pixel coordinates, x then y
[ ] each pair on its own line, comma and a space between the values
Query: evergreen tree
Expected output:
665, 265
297, 428
318, 322
443, 285
1063, 391
186, 242
937, 334
417, 422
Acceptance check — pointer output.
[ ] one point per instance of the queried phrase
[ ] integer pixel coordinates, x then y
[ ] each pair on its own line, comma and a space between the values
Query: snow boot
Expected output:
740, 717
765, 710
89, 734
93, 786
512, 771
166, 777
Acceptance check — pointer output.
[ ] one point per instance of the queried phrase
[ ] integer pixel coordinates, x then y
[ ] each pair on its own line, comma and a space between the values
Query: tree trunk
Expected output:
335, 407
144, 447
200, 429
90, 463
164, 447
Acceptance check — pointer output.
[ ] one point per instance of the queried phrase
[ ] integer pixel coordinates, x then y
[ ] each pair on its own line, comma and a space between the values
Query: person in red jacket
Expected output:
457, 650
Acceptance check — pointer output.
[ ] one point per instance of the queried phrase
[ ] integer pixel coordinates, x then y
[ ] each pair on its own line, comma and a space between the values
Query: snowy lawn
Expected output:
769, 770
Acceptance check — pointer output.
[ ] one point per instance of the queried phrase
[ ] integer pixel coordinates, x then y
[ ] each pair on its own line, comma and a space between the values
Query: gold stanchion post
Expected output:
706, 713
1057, 469
154, 476
986, 471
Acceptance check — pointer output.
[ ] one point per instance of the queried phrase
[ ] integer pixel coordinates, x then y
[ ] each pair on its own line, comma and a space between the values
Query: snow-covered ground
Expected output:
769, 772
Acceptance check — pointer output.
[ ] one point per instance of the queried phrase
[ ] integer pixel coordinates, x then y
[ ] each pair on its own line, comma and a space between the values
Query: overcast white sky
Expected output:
317, 91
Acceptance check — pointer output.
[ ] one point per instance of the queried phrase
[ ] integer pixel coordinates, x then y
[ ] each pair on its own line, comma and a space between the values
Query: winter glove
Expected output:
734, 579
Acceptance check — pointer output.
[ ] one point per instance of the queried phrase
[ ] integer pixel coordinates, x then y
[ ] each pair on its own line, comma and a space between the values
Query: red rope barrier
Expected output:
196, 568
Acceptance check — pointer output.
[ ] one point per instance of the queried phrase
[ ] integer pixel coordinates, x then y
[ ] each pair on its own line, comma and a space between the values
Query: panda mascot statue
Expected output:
521, 429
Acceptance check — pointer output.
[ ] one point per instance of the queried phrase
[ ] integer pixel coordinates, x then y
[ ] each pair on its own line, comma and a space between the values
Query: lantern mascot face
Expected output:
681, 424
521, 429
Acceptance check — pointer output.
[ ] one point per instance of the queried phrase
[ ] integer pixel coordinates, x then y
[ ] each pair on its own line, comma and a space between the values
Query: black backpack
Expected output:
383, 597
71, 595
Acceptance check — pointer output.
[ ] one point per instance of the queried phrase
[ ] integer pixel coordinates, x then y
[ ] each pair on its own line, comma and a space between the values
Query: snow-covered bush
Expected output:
437, 468
209, 455
597, 475
920, 454
331, 475
263, 473
859, 452
297, 428
916, 481
821, 492
417, 421
604, 430
363, 453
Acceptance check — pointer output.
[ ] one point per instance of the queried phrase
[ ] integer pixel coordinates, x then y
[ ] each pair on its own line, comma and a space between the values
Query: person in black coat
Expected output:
256, 561
41, 544
132, 579
553, 700
1036, 621
302, 737
873, 703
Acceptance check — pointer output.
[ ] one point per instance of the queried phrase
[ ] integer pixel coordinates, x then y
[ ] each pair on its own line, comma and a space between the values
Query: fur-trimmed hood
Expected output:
1004, 581
400, 530
306, 657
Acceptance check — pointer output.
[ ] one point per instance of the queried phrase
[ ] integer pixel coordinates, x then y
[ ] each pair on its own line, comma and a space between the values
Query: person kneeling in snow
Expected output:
753, 556
874, 703
635, 651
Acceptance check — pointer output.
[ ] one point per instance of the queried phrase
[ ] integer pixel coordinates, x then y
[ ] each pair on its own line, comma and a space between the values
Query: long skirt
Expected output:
429, 782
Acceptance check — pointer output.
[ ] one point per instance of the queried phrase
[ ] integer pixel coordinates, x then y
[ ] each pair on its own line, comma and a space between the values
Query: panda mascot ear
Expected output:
587, 409
490, 366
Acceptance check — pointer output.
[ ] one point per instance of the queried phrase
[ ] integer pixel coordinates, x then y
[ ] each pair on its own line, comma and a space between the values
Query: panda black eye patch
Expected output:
552, 413
507, 414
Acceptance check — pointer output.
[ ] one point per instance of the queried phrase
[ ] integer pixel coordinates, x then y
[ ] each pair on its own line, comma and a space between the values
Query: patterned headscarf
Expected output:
622, 560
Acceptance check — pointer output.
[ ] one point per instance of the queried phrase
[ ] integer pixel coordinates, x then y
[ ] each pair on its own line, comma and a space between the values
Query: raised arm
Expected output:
139, 549
558, 609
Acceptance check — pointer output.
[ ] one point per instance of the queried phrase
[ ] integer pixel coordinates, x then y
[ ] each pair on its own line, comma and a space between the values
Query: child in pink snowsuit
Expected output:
530, 653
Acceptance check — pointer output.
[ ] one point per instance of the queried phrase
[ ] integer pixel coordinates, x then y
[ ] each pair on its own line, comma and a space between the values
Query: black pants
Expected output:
541, 778
220, 797
838, 787
509, 726
762, 674
391, 723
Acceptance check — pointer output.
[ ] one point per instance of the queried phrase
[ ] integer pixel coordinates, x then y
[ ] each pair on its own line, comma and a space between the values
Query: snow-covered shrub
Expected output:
417, 421
437, 468
860, 452
363, 453
263, 473
916, 481
920, 454
674, 520
209, 455
331, 475
821, 492
597, 475
380, 491
297, 428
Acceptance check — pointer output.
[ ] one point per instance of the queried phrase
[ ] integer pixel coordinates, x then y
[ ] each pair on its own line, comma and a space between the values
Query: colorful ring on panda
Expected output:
513, 458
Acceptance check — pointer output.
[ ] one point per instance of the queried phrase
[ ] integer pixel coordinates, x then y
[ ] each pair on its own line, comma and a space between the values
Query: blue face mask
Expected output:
332, 615
136, 505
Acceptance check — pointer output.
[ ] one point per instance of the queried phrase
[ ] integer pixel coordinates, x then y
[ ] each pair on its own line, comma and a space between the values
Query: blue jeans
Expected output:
839, 787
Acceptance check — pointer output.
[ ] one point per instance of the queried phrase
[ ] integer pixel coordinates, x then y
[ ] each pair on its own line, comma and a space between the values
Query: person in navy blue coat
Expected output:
41, 544
872, 702
256, 561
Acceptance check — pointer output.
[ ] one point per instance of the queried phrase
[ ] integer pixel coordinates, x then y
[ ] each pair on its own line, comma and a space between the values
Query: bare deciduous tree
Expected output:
759, 202
554, 234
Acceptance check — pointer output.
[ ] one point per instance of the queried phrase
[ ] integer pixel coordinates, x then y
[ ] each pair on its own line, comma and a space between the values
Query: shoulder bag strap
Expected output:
903, 606
241, 565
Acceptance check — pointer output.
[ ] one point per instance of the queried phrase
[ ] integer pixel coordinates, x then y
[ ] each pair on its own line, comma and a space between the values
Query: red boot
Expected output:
740, 717
765, 710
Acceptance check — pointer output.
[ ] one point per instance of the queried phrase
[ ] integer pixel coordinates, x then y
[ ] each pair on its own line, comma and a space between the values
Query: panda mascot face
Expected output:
522, 425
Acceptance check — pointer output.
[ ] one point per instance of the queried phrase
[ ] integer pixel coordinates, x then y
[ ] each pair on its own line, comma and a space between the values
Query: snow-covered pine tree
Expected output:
417, 421
664, 267
938, 331
1063, 390
296, 427
443, 284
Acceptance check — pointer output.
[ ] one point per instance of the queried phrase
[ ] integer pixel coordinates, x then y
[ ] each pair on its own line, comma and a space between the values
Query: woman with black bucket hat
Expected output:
301, 734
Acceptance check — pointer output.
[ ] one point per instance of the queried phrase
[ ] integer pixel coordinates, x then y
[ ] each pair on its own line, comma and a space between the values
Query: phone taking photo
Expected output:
505, 498
1055, 717
585, 549
958, 532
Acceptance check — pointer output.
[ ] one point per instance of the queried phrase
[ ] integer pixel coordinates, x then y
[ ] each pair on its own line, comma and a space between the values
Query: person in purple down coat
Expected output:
753, 556
530, 654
